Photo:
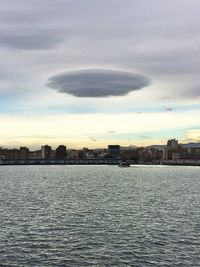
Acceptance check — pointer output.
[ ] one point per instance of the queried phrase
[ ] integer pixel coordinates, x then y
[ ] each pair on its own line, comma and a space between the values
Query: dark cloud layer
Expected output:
98, 83
30, 39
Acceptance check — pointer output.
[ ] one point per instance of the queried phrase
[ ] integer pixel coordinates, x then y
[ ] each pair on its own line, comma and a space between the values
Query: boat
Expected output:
124, 164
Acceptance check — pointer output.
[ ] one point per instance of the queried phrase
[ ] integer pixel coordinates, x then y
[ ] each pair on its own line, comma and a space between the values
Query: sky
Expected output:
88, 73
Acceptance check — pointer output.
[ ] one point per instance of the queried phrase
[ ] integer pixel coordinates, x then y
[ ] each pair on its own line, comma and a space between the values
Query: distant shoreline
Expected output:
59, 162
28, 162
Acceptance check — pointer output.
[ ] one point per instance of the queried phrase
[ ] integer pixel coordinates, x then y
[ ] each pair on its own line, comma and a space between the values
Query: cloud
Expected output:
98, 82
31, 39
193, 91
93, 139
169, 109
42, 38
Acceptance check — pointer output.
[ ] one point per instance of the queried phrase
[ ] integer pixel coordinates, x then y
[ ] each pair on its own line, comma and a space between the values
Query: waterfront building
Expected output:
14, 153
176, 156
61, 152
2, 153
114, 151
24, 153
172, 148
35, 154
5, 153
194, 152
129, 155
174, 151
73, 154
81, 154
46, 152
172, 144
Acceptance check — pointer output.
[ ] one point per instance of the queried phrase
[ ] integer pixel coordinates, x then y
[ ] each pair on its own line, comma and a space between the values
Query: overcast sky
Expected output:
98, 72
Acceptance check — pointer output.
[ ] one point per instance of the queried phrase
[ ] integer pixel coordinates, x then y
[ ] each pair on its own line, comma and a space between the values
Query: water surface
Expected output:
99, 216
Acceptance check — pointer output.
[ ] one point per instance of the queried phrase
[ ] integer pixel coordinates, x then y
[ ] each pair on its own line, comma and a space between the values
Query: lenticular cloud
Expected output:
98, 82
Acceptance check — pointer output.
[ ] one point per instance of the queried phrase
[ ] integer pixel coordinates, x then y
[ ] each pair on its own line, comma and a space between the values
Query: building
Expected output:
73, 154
193, 153
81, 154
46, 152
172, 144
174, 151
14, 153
114, 151
61, 152
176, 156
24, 153
2, 153
35, 154
129, 155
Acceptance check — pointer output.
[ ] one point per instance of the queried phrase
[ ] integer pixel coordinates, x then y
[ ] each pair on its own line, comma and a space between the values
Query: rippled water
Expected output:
99, 216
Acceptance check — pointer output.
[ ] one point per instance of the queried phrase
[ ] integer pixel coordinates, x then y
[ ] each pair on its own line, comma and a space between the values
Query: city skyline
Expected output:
95, 73
132, 146
172, 151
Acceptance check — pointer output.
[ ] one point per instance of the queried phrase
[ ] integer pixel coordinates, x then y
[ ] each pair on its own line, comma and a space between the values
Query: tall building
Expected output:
61, 152
46, 152
172, 150
172, 144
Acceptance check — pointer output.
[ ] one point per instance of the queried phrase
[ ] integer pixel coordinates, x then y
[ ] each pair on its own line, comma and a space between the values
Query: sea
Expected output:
99, 216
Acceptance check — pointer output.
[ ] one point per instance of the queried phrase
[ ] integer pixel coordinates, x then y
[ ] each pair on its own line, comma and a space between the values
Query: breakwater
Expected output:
59, 161
93, 162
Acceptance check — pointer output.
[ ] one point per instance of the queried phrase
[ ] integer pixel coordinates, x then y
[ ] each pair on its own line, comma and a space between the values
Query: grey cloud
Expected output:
171, 59
98, 82
169, 109
31, 26
31, 39
192, 92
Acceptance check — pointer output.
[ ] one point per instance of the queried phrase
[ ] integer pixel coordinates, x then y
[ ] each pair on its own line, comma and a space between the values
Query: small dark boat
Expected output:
124, 164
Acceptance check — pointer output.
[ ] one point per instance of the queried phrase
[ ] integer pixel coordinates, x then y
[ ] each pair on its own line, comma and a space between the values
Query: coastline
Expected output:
10, 162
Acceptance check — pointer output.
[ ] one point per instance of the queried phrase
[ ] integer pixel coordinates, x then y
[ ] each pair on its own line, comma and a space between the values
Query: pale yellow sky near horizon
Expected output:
93, 130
